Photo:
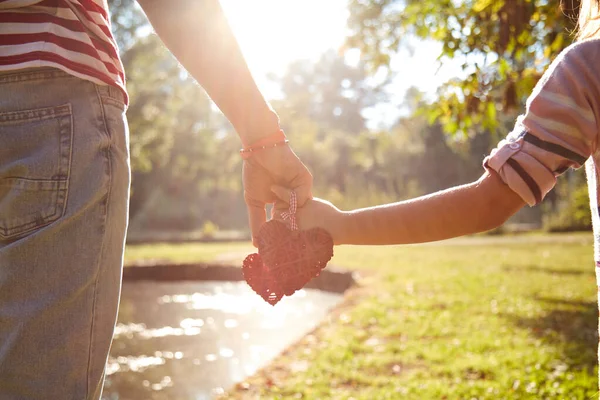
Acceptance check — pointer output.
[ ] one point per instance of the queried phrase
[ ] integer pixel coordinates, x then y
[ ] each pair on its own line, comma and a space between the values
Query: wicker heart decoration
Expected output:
287, 260
260, 280
294, 257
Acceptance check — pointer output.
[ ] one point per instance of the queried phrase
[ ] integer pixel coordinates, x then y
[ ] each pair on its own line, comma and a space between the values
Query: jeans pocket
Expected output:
35, 164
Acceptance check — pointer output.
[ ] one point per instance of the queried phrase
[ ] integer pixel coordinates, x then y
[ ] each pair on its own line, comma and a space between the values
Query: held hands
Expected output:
315, 213
266, 169
271, 171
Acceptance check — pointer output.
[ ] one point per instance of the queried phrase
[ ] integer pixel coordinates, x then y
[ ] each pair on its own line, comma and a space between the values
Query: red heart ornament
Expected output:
260, 280
293, 258
287, 260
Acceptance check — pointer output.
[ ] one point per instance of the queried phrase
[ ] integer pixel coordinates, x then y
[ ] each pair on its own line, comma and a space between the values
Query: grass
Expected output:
186, 252
477, 318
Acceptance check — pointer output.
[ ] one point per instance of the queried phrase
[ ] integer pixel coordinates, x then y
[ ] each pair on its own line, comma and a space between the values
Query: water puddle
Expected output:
193, 340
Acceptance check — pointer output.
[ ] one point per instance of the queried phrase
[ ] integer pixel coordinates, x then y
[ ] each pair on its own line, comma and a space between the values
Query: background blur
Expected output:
384, 100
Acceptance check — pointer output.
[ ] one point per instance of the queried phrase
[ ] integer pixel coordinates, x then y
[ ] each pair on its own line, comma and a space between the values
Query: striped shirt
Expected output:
72, 35
559, 129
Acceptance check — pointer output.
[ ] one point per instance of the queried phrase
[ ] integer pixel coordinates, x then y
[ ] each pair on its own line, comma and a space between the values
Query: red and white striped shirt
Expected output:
72, 35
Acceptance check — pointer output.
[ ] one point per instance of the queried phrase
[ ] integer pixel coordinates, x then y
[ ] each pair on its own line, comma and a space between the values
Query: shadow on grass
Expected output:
550, 271
570, 325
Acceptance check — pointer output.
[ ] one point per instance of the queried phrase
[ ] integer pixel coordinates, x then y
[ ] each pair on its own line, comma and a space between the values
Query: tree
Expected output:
127, 22
330, 92
504, 45
175, 131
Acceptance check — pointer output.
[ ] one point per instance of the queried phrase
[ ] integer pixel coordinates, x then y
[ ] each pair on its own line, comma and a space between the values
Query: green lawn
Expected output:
477, 318
187, 252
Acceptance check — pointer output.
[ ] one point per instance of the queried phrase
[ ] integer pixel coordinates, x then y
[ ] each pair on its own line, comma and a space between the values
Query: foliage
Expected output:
573, 212
128, 21
209, 229
177, 137
358, 167
330, 92
504, 46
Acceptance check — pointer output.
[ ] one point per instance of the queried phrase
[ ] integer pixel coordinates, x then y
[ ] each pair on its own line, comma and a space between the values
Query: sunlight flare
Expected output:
273, 33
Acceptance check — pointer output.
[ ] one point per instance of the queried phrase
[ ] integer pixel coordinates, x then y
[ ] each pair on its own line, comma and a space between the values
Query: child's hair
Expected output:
589, 19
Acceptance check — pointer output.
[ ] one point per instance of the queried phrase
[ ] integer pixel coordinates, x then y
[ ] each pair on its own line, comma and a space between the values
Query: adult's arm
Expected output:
199, 36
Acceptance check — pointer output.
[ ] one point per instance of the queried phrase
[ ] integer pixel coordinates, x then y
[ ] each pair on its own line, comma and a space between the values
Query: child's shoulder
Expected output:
577, 64
584, 50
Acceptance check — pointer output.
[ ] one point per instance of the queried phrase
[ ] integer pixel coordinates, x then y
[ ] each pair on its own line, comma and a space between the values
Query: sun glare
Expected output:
273, 33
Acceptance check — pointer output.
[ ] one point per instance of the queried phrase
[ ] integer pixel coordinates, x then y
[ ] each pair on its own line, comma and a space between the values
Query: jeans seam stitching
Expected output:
107, 202
27, 227
39, 114
113, 102
36, 74
101, 105
32, 225
98, 267
70, 162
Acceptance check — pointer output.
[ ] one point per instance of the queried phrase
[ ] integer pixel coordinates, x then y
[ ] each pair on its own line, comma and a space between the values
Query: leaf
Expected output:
491, 111
481, 5
521, 34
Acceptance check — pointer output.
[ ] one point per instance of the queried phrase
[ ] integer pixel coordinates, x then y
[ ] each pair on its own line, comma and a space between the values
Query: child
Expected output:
560, 129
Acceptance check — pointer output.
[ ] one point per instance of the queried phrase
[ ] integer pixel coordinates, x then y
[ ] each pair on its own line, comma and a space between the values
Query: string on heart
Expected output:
291, 213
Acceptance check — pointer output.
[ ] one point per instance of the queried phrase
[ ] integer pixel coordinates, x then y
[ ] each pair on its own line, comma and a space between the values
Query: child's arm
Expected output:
462, 210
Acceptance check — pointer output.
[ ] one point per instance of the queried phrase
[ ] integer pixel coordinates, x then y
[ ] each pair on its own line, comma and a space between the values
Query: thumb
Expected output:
282, 193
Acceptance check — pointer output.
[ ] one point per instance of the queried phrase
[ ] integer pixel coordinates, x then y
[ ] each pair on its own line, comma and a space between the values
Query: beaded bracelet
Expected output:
274, 140
247, 152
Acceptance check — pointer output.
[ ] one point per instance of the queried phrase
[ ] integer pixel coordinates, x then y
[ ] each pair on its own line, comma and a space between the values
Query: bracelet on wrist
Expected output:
247, 152
268, 142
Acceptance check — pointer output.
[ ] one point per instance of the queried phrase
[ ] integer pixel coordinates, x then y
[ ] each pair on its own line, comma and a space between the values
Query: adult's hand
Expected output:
277, 166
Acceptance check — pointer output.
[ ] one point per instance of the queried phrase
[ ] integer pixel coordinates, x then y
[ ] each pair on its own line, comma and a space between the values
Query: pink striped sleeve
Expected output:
559, 129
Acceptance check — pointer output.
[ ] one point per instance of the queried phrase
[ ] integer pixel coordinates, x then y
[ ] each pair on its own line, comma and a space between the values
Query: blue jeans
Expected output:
64, 192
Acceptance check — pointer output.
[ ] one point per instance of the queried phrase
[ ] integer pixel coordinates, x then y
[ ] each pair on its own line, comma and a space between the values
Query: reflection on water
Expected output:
193, 340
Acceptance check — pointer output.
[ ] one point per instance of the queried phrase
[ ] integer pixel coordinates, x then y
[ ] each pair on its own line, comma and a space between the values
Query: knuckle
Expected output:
252, 202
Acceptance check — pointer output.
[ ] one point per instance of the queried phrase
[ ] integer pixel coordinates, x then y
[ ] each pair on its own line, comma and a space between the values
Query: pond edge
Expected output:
331, 279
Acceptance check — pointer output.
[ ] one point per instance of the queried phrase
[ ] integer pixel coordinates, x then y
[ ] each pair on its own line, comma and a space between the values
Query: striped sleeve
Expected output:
6, 4
72, 35
559, 128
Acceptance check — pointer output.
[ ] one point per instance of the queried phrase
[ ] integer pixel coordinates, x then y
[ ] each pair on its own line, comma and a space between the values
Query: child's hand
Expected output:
316, 213
322, 214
